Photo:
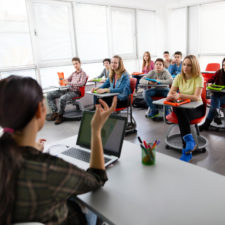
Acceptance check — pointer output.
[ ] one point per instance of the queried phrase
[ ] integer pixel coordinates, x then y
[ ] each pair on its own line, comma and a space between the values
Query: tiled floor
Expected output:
213, 159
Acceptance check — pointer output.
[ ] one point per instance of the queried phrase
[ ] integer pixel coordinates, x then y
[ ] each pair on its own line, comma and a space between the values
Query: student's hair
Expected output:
107, 60
120, 70
160, 60
223, 61
166, 52
76, 59
178, 53
195, 67
19, 99
149, 60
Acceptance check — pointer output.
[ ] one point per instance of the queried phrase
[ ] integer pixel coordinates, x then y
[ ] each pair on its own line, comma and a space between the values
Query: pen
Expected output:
139, 139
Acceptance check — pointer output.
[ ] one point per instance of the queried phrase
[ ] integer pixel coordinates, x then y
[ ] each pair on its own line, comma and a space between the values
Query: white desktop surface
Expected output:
172, 192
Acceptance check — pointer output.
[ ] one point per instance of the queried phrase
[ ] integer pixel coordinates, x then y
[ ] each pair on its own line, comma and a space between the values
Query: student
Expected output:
167, 59
217, 98
76, 80
190, 84
34, 185
118, 82
147, 64
161, 75
175, 68
105, 72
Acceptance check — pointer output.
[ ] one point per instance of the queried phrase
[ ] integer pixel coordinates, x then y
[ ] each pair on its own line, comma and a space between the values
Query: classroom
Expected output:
112, 112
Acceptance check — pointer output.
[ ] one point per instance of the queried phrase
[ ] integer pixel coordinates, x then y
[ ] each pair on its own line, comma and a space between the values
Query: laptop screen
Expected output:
112, 133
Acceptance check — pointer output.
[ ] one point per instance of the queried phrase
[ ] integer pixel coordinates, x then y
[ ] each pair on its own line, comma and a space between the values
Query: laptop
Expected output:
112, 139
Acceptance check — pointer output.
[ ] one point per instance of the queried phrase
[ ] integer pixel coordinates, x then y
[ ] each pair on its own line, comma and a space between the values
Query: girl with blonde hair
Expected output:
147, 64
190, 84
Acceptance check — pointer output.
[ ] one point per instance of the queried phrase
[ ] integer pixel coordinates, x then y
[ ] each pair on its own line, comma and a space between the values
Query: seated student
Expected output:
35, 186
163, 76
76, 80
190, 84
147, 64
175, 68
118, 82
105, 72
217, 98
167, 59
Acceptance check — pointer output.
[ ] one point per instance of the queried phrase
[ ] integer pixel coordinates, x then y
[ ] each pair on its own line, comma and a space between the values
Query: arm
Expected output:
149, 75
195, 97
124, 83
171, 69
168, 78
100, 117
69, 78
102, 74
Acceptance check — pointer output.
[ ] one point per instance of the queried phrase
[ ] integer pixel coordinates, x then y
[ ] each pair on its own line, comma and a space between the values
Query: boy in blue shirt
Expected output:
175, 68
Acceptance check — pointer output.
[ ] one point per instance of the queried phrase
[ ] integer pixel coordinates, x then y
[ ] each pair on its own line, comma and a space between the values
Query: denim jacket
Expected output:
122, 86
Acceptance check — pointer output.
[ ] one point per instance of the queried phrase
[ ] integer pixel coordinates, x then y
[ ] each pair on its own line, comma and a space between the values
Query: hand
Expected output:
101, 90
151, 82
102, 80
40, 144
66, 82
102, 113
93, 89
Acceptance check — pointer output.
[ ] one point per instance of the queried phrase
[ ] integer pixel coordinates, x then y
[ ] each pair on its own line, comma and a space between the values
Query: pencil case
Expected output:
177, 102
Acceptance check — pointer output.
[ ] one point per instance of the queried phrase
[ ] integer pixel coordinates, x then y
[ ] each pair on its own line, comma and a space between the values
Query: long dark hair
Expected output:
19, 99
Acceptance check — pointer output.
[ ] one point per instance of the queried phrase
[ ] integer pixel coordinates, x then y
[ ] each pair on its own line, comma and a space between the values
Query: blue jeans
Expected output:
216, 102
149, 93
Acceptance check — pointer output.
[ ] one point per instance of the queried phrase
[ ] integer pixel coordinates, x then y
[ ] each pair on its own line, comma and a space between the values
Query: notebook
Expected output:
112, 139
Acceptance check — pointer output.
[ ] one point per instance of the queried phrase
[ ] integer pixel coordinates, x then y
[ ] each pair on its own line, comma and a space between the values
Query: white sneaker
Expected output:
148, 111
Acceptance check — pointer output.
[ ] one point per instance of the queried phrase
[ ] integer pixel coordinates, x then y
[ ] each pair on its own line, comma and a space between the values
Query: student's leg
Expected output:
51, 98
163, 93
147, 94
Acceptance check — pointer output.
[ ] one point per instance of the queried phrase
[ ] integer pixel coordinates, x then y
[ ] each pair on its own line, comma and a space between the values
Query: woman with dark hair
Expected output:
217, 98
161, 75
190, 84
35, 186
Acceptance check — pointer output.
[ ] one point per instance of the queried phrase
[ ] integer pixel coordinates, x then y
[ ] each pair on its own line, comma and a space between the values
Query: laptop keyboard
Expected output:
81, 155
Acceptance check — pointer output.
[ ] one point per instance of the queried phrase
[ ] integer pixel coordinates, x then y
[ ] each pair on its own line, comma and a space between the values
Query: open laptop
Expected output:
112, 139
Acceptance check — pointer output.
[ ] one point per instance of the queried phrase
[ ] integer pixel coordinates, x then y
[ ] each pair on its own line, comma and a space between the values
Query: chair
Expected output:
210, 67
131, 123
74, 101
174, 140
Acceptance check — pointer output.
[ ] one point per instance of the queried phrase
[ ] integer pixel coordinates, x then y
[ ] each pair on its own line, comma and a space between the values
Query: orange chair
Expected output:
174, 141
210, 67
131, 123
78, 113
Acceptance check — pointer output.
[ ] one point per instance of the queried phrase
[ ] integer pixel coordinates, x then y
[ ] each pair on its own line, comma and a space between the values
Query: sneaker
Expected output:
52, 117
152, 115
218, 120
148, 111
59, 119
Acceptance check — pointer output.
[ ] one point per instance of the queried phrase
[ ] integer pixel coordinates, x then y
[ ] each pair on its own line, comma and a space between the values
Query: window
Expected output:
23, 73
123, 32
54, 30
146, 32
177, 30
211, 27
91, 30
15, 43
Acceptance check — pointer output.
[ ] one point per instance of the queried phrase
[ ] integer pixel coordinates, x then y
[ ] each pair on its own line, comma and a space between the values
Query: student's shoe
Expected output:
205, 125
148, 111
218, 120
186, 157
52, 117
59, 119
190, 144
153, 114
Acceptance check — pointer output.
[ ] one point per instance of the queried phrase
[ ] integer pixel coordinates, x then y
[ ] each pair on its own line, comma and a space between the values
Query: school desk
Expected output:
170, 192
104, 95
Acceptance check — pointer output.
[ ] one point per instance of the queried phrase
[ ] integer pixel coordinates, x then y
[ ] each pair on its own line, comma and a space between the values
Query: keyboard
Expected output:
80, 154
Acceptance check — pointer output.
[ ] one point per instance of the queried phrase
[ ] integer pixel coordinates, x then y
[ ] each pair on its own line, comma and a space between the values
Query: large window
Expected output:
211, 27
15, 42
177, 30
54, 30
146, 32
123, 32
91, 30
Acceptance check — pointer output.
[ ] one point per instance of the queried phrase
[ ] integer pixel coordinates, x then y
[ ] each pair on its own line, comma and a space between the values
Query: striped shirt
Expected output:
45, 183
77, 80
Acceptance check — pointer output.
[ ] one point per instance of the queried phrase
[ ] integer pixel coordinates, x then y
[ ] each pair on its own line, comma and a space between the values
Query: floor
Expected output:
213, 159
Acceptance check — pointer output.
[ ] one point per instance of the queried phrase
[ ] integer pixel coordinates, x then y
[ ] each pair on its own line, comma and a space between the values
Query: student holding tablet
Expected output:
217, 98
118, 82
160, 75
36, 186
190, 84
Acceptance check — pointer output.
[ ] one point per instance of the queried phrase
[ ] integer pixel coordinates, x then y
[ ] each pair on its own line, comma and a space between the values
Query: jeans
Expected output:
216, 102
149, 93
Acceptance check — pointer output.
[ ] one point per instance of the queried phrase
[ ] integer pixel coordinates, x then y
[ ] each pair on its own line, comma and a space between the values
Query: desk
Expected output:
170, 193
153, 85
104, 95
209, 72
